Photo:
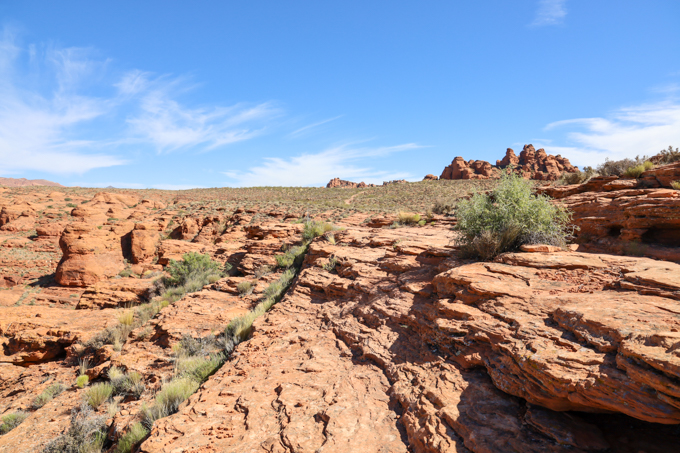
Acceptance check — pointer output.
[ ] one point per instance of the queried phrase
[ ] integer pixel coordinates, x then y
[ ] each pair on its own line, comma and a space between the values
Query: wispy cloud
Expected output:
549, 12
313, 125
40, 132
627, 132
50, 121
318, 168
167, 125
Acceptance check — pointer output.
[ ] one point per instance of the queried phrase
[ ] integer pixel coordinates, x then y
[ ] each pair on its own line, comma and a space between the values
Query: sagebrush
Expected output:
507, 217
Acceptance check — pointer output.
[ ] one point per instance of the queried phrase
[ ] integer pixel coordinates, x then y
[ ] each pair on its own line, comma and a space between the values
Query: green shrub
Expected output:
98, 393
82, 381
168, 399
292, 257
636, 171
245, 287
86, 434
314, 229
131, 438
511, 215
11, 421
48, 394
194, 268
675, 185
198, 368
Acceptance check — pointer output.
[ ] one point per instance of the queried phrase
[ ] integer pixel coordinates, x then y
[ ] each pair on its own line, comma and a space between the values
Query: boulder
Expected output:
90, 254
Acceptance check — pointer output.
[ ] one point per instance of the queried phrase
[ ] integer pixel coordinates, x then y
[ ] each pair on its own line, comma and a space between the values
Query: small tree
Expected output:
509, 216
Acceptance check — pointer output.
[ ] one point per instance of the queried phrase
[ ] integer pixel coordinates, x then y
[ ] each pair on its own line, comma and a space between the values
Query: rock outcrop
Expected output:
619, 213
386, 340
530, 163
343, 184
474, 169
537, 165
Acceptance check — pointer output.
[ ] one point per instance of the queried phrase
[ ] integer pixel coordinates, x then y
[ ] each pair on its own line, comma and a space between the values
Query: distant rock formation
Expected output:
474, 169
531, 164
537, 164
343, 184
430, 178
22, 182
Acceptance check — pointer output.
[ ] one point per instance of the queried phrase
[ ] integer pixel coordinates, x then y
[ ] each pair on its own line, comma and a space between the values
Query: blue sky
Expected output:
176, 94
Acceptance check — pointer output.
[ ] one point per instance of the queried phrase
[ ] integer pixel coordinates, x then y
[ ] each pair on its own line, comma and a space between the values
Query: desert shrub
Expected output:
442, 207
82, 381
86, 433
667, 156
315, 229
198, 368
675, 185
330, 266
11, 421
405, 218
262, 271
125, 272
617, 167
126, 318
245, 287
131, 438
292, 257
637, 170
126, 383
490, 224
98, 393
578, 177
48, 394
168, 399
194, 270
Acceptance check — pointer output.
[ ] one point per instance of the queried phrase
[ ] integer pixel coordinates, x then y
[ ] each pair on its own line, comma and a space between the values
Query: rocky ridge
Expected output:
385, 342
531, 164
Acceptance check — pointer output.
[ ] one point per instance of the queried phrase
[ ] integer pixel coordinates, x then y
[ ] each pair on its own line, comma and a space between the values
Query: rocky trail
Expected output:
385, 342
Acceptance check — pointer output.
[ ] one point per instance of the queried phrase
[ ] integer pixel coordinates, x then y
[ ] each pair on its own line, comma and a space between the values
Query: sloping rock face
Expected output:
402, 348
531, 164
537, 165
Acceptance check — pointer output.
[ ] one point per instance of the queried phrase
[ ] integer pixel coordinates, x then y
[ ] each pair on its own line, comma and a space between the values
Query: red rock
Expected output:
430, 178
542, 248
143, 244
89, 255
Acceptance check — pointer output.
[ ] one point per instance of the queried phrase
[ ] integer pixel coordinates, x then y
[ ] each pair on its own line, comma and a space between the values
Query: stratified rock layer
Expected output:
403, 348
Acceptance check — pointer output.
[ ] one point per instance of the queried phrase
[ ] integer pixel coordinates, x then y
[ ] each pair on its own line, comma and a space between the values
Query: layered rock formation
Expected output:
530, 163
386, 341
624, 211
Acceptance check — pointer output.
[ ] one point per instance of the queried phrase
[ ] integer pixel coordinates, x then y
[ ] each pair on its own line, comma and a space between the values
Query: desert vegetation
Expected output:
507, 217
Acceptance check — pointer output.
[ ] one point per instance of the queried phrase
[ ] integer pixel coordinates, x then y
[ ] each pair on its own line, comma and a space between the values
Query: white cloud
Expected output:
36, 131
627, 132
549, 12
313, 125
319, 168
169, 126
49, 124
